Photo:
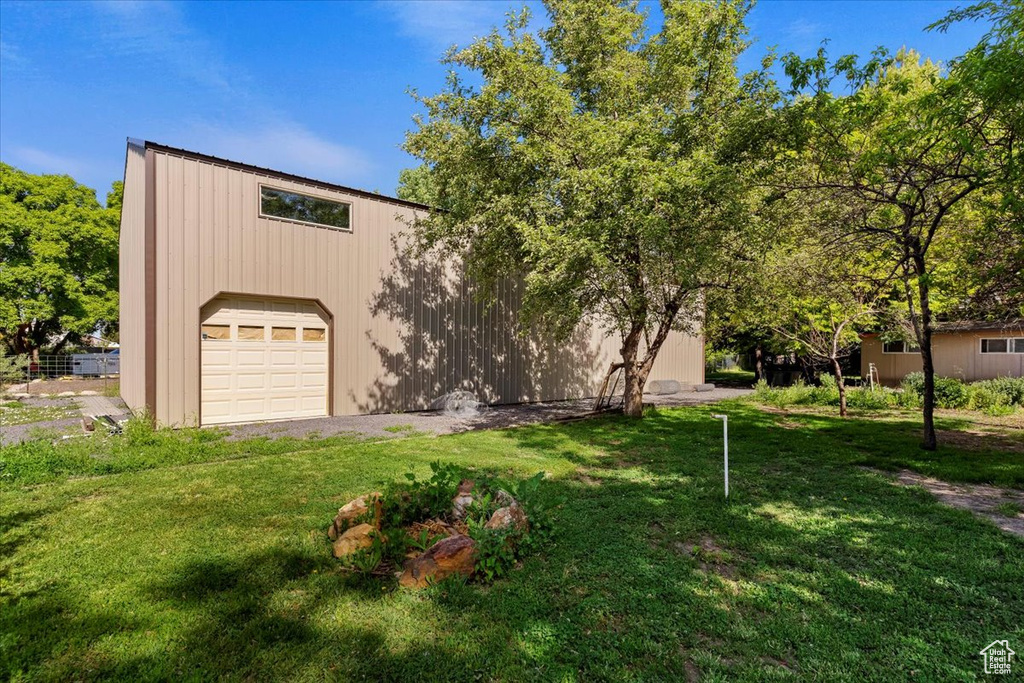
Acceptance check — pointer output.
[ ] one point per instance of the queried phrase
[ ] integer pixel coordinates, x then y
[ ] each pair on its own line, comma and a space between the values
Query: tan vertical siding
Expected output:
956, 354
132, 258
404, 332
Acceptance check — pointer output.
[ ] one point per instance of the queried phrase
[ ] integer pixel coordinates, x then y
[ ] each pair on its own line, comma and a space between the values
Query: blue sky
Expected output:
316, 89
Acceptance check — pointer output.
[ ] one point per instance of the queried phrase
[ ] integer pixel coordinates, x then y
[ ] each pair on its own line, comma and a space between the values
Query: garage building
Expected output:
248, 294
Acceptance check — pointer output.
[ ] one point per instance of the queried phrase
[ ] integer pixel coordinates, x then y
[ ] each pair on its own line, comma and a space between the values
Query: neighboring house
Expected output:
249, 294
966, 350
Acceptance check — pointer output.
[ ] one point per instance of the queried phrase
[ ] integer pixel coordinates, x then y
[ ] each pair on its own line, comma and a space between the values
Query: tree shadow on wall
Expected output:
435, 334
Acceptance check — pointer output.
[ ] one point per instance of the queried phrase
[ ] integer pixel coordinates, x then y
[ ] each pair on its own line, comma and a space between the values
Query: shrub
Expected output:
950, 393
913, 383
1010, 388
980, 397
12, 369
868, 399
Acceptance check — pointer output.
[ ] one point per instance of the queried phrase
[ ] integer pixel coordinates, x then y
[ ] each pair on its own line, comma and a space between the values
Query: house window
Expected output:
900, 347
303, 208
1002, 345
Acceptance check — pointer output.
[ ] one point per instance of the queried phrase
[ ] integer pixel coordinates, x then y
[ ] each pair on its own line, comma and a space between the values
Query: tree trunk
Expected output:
837, 370
633, 398
758, 363
924, 340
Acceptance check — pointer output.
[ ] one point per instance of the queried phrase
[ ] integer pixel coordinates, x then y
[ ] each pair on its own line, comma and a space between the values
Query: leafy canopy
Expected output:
609, 168
58, 258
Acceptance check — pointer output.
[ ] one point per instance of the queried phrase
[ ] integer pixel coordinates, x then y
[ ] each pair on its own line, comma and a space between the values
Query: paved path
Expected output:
100, 405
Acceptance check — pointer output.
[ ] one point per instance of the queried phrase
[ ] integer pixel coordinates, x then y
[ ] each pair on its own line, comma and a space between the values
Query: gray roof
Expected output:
980, 325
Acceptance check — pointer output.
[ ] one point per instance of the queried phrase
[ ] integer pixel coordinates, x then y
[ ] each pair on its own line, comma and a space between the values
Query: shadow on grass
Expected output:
813, 568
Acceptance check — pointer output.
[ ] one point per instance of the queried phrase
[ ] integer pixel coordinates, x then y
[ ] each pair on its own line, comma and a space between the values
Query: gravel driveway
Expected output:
494, 417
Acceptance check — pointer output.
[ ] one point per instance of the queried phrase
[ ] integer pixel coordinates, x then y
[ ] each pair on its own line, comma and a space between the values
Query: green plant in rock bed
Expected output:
415, 500
406, 503
495, 549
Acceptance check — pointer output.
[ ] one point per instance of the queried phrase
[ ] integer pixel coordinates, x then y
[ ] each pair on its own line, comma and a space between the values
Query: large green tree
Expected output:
990, 76
901, 156
58, 260
611, 169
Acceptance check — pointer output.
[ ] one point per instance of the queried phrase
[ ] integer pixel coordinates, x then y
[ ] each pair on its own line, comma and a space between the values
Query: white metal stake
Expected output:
725, 435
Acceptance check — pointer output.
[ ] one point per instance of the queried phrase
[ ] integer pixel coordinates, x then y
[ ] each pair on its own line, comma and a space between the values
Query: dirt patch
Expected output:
711, 557
692, 672
780, 663
975, 440
100, 385
990, 502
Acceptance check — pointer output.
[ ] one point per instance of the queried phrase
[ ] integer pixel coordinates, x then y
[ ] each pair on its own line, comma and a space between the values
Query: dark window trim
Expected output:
1011, 344
271, 217
906, 348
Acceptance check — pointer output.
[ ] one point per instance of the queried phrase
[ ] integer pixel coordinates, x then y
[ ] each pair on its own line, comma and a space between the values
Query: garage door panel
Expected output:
312, 358
313, 380
251, 381
217, 357
283, 380
288, 359
216, 382
284, 406
310, 404
250, 358
216, 409
262, 377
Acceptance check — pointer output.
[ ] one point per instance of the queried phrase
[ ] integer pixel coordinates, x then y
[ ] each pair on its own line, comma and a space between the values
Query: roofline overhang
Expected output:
282, 175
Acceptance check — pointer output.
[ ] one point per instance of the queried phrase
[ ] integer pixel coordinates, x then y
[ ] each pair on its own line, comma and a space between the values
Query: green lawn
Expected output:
816, 568
733, 376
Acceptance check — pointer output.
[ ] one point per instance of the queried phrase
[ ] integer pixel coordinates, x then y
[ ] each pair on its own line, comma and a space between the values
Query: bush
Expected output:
998, 395
914, 383
950, 393
12, 369
868, 399
1010, 388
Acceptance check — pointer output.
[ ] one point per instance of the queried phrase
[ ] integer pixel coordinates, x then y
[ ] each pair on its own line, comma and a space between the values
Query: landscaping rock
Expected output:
463, 499
356, 538
66, 393
88, 392
511, 516
353, 510
449, 556
504, 498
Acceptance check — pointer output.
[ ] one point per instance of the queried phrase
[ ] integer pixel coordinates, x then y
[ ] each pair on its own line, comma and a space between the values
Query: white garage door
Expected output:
263, 359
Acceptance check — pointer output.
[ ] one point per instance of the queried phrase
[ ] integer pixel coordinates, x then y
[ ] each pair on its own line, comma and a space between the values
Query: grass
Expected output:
140, 448
730, 376
814, 569
19, 413
112, 389
1009, 509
